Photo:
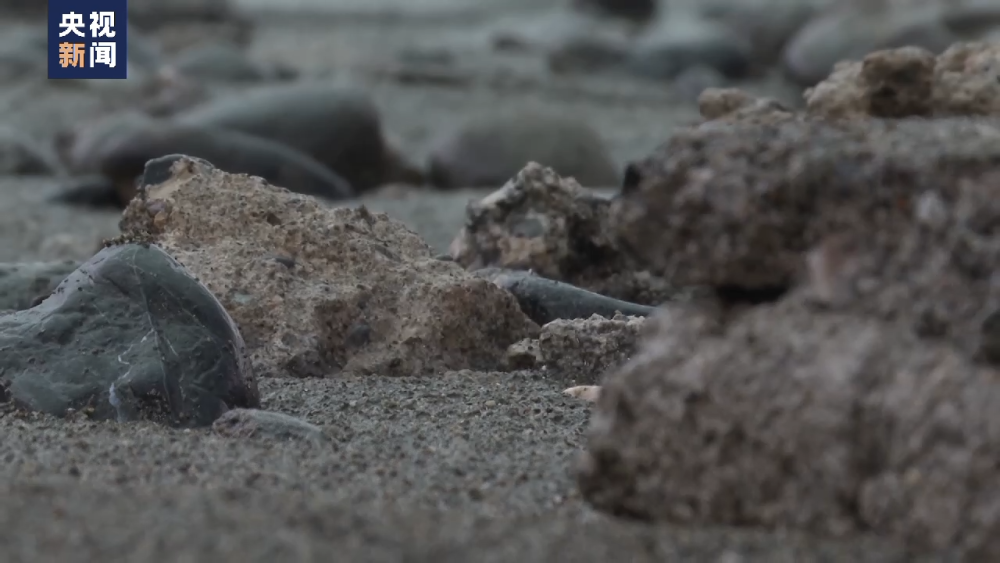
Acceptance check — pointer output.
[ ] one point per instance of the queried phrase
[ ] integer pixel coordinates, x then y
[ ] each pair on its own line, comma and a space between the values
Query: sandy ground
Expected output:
460, 467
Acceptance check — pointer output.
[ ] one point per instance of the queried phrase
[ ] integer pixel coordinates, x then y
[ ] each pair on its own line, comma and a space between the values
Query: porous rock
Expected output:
318, 291
488, 150
579, 351
897, 83
888, 218
551, 225
787, 418
129, 335
339, 127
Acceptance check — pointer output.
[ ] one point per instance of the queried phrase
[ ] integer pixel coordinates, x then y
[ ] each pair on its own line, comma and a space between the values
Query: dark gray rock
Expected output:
632, 10
544, 300
23, 283
339, 127
677, 45
88, 191
20, 155
130, 335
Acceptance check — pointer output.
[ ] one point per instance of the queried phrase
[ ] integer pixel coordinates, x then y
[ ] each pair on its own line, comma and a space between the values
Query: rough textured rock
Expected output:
251, 423
579, 351
789, 418
964, 80
541, 222
23, 283
317, 291
489, 150
888, 218
339, 127
545, 300
129, 335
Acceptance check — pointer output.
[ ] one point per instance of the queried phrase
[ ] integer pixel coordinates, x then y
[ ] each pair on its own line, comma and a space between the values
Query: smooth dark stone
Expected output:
130, 335
545, 300
90, 191
22, 283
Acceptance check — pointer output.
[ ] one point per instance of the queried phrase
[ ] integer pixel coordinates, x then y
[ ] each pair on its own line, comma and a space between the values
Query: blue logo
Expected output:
88, 39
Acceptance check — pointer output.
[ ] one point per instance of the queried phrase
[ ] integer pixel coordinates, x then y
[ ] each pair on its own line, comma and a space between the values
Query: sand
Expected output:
459, 467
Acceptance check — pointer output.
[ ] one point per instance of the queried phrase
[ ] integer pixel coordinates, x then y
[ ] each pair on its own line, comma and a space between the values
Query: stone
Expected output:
20, 155
222, 62
488, 150
765, 25
911, 82
579, 351
631, 10
92, 190
255, 423
552, 226
545, 300
22, 284
683, 42
731, 104
364, 294
124, 158
844, 34
705, 212
339, 127
130, 335
796, 419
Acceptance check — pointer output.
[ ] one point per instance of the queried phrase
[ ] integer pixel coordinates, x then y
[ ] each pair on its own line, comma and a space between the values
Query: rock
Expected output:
363, 293
19, 155
680, 43
545, 300
765, 25
552, 226
81, 147
252, 423
23, 283
124, 158
129, 335
632, 10
588, 393
911, 82
579, 350
851, 34
23, 53
488, 150
793, 419
731, 104
222, 62
89, 191
152, 14
691, 82
339, 127
586, 54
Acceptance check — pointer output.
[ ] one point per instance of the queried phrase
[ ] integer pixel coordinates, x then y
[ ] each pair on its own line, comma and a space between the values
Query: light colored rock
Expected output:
319, 291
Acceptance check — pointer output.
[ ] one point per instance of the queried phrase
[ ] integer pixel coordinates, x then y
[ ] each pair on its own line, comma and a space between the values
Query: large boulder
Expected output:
129, 335
319, 291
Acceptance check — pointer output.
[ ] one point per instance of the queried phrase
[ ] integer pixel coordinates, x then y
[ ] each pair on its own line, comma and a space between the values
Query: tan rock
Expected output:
549, 224
787, 418
898, 83
318, 291
579, 350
